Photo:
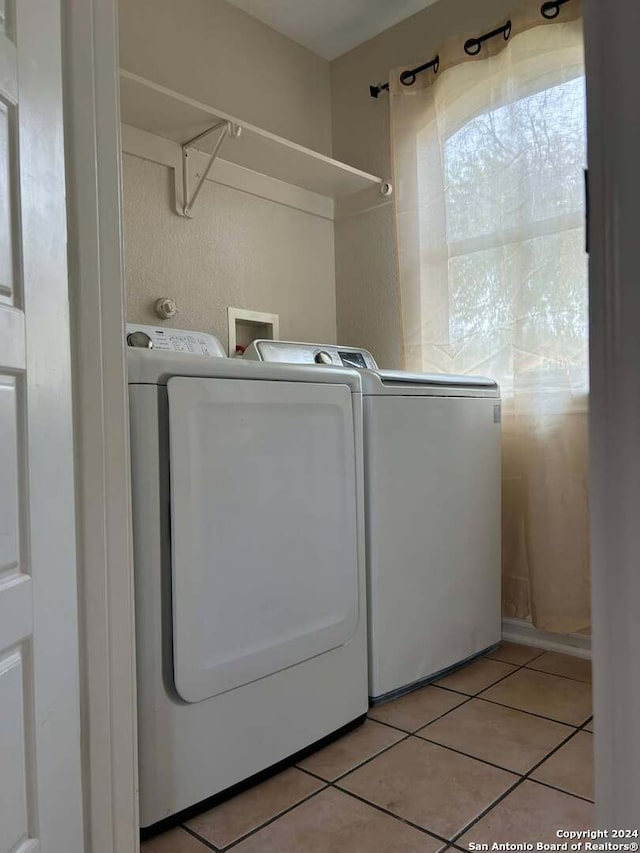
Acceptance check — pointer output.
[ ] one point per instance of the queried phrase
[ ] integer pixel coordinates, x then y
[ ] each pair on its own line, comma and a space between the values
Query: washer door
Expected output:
264, 532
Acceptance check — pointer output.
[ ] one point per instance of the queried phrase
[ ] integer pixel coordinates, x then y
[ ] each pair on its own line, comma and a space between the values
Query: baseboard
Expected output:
523, 632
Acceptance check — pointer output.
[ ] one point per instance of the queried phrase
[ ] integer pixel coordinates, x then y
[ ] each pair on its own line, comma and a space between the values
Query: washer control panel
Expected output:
173, 340
291, 352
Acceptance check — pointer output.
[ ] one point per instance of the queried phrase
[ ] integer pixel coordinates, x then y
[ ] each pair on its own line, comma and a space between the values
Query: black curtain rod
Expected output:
408, 78
473, 46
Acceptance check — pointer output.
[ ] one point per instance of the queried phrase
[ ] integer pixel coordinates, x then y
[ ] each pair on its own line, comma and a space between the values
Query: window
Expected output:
517, 270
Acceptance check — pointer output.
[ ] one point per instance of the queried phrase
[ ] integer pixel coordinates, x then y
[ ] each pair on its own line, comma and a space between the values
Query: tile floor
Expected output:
501, 750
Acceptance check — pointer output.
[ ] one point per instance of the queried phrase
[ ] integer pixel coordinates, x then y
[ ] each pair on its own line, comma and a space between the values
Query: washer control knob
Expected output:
322, 357
139, 339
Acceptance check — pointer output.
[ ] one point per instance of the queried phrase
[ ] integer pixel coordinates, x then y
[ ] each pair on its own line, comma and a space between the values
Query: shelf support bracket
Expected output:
225, 129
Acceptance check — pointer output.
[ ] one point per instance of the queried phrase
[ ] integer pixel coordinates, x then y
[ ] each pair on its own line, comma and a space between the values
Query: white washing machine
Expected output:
433, 493
249, 563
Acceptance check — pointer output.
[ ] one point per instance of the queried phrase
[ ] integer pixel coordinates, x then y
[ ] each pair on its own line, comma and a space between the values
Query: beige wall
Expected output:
239, 250
215, 53
243, 251
366, 267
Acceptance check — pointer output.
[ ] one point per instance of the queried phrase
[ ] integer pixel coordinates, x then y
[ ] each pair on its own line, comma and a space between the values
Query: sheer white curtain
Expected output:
488, 158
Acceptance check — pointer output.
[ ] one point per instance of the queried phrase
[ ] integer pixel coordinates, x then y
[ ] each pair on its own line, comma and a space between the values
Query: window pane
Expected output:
517, 164
522, 309
517, 293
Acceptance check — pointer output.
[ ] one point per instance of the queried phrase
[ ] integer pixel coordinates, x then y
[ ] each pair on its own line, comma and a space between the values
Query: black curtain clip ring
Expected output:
472, 47
407, 78
550, 10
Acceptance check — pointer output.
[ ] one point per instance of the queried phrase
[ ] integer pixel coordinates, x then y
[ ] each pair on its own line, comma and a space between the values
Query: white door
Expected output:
40, 790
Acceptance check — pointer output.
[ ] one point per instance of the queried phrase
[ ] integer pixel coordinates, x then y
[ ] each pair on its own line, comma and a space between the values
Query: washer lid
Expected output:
401, 383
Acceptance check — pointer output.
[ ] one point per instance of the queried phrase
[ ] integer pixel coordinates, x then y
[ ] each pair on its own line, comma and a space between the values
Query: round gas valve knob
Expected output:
166, 308
139, 339
322, 357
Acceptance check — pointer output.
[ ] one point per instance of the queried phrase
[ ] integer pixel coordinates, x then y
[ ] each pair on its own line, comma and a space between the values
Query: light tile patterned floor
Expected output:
501, 750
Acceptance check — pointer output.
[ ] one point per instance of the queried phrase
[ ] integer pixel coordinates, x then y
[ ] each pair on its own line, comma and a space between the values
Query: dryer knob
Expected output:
139, 339
322, 357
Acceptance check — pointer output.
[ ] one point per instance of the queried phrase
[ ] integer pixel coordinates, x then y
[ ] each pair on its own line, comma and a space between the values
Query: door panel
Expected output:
263, 528
40, 789
9, 493
13, 798
7, 114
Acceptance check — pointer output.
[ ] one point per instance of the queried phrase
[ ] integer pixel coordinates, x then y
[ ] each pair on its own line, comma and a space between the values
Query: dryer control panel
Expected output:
291, 352
173, 340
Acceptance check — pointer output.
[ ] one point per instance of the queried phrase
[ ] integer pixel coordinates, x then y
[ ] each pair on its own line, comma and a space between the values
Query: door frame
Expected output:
96, 286
613, 66
106, 582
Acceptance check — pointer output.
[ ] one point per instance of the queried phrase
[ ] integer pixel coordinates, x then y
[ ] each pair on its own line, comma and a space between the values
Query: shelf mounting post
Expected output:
226, 129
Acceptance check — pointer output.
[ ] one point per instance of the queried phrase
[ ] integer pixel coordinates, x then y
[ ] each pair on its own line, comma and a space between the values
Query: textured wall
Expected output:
368, 306
238, 250
366, 265
215, 53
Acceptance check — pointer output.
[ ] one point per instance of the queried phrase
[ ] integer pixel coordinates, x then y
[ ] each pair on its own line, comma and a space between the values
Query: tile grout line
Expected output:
333, 784
339, 778
520, 777
469, 696
535, 657
517, 668
406, 735
328, 784
422, 726
533, 714
552, 752
391, 814
312, 774
429, 832
199, 838
486, 811
560, 790
525, 777
586, 723
542, 672
474, 757
527, 666
568, 677
507, 793
266, 823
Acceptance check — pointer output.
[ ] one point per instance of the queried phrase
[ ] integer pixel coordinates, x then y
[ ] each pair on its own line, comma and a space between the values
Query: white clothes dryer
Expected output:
248, 513
433, 509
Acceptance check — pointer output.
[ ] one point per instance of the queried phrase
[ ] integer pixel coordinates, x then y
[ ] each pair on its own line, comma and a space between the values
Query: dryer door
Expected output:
264, 531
